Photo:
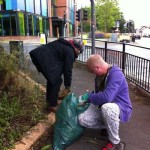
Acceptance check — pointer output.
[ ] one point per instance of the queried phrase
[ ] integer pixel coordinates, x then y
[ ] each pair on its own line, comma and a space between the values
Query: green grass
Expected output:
21, 103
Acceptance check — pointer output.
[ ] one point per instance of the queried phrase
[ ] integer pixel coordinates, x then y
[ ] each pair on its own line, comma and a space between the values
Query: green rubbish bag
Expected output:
66, 127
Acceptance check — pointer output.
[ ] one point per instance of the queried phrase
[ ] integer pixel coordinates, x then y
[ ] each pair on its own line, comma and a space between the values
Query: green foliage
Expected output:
8, 66
86, 27
86, 24
107, 12
122, 22
21, 104
8, 110
1, 1
47, 147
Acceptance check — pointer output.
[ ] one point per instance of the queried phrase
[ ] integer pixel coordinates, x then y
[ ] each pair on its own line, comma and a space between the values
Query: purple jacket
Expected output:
115, 91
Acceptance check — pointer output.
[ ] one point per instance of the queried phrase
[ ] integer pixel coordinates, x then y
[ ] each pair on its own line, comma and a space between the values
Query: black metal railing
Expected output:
136, 68
132, 59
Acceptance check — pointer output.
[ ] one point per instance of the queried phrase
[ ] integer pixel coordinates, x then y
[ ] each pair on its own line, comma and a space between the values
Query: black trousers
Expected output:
52, 91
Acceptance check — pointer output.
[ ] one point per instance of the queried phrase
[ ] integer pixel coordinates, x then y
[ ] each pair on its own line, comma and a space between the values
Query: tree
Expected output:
107, 12
86, 23
122, 24
1, 1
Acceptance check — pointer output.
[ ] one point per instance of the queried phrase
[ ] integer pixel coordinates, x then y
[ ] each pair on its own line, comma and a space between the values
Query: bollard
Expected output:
16, 48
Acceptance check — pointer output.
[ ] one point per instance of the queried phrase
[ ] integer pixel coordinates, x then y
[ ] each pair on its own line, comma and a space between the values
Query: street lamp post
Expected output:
93, 26
75, 23
81, 23
117, 24
64, 24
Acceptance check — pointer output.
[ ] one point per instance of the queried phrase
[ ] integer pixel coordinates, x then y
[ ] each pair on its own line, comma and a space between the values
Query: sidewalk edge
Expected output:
36, 132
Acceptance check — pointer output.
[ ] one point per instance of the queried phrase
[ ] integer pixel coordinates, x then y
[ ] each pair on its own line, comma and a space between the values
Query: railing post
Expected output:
123, 58
105, 50
93, 24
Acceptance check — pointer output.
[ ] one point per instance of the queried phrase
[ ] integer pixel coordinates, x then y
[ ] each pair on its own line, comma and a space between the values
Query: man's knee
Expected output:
81, 119
105, 108
110, 110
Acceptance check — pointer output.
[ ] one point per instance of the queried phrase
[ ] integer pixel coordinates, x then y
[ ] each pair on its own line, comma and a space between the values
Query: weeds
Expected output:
21, 104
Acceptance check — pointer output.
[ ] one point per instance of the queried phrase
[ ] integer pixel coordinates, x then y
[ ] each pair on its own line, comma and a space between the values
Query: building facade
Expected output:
34, 17
63, 17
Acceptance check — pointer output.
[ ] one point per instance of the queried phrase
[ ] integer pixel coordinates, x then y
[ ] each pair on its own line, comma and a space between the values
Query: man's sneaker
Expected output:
111, 146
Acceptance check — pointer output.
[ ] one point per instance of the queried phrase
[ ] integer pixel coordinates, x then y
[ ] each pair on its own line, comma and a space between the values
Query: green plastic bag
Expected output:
66, 127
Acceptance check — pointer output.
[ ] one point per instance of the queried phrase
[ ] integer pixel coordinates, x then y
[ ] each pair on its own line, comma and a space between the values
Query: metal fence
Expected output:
133, 60
136, 68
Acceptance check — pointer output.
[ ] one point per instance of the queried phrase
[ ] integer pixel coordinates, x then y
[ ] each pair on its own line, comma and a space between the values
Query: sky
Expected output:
136, 10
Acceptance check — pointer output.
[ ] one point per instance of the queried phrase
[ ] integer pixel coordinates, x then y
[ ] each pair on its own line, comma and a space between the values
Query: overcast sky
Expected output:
136, 10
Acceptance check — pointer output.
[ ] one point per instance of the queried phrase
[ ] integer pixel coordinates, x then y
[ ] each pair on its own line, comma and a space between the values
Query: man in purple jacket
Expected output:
110, 104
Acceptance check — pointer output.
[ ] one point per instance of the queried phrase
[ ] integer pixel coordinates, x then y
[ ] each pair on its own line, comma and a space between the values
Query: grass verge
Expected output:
21, 103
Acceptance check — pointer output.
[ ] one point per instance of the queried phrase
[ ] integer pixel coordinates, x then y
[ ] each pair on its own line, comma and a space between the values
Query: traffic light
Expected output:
129, 24
78, 15
85, 15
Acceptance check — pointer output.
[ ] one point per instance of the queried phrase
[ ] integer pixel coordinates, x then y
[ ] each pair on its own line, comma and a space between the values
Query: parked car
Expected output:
125, 38
137, 36
146, 35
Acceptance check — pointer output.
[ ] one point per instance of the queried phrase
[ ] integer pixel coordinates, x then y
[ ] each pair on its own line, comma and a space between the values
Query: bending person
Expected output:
54, 60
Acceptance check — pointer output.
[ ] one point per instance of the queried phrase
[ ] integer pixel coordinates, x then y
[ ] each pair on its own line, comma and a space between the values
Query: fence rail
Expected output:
132, 59
135, 68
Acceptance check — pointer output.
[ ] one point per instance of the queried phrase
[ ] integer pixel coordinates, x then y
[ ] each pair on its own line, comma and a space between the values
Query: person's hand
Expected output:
85, 96
83, 99
80, 104
63, 93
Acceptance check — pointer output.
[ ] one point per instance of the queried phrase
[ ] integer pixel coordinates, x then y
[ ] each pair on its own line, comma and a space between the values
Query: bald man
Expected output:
110, 104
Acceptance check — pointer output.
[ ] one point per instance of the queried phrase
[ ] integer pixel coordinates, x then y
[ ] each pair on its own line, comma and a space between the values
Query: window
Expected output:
30, 25
13, 29
21, 4
44, 7
29, 6
21, 23
6, 24
1, 29
37, 7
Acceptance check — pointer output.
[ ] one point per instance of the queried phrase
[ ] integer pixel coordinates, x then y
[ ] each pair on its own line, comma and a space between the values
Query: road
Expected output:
130, 47
144, 41
141, 52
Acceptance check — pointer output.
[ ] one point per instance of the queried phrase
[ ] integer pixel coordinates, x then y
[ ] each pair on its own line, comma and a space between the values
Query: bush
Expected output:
100, 35
21, 104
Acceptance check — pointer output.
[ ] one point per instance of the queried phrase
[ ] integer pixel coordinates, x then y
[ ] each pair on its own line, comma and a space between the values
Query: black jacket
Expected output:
54, 59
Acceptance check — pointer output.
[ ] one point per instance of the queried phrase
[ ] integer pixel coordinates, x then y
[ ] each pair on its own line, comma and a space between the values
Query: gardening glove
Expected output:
83, 99
63, 93
85, 96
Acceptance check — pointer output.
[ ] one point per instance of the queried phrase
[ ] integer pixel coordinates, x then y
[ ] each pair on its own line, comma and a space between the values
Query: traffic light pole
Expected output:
93, 26
64, 24
81, 16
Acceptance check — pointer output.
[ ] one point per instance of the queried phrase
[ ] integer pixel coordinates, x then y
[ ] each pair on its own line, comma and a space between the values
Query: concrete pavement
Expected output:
135, 134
